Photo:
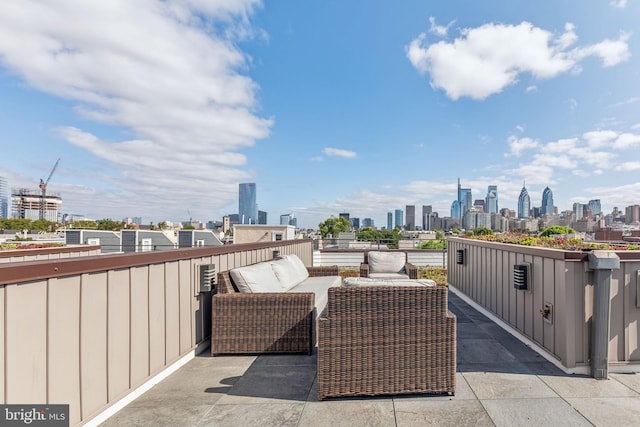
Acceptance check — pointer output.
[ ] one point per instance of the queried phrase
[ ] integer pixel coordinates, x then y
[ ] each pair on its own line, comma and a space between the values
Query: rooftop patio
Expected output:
499, 381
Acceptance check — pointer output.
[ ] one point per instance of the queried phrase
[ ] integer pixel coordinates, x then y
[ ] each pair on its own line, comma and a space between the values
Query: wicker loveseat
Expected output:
386, 340
277, 315
387, 265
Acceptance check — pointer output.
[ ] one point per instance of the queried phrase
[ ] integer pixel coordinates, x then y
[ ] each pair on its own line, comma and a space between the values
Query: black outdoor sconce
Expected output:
522, 276
461, 256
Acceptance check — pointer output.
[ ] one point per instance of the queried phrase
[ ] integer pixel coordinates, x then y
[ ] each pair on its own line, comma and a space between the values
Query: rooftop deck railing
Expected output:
89, 330
557, 309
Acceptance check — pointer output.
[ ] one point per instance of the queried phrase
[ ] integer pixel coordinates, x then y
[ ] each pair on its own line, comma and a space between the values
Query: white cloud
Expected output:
619, 3
626, 140
629, 166
439, 30
581, 173
599, 138
486, 59
347, 154
531, 89
518, 145
317, 159
169, 73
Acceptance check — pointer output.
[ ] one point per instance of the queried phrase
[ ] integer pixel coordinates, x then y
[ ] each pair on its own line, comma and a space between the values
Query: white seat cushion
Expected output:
256, 278
288, 273
386, 262
319, 286
388, 276
366, 281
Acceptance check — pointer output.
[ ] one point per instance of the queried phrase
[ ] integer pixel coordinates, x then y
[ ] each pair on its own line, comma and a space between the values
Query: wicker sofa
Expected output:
386, 340
269, 307
387, 265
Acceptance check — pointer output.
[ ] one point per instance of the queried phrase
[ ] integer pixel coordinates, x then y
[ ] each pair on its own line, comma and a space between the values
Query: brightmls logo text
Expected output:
34, 415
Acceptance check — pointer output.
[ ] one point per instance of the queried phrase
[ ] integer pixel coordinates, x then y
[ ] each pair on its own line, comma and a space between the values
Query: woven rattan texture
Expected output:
386, 341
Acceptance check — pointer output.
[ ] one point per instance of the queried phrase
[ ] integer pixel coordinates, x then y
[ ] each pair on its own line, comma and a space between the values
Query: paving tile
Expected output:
582, 386
497, 385
470, 331
463, 392
630, 380
482, 350
265, 384
533, 412
349, 413
428, 412
263, 415
609, 411
168, 413
514, 367
287, 360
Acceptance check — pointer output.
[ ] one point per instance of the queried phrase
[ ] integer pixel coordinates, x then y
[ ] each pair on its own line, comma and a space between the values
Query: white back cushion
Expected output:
298, 266
386, 262
256, 278
286, 273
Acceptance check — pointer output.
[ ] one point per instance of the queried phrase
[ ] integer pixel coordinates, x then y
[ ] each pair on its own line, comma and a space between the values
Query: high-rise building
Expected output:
288, 219
632, 214
465, 201
344, 215
595, 207
455, 209
491, 201
4, 198
547, 207
524, 204
426, 210
368, 222
578, 211
410, 223
247, 206
399, 218
389, 220
262, 217
28, 204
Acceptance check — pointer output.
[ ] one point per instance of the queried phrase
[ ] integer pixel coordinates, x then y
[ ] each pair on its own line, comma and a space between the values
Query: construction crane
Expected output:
43, 188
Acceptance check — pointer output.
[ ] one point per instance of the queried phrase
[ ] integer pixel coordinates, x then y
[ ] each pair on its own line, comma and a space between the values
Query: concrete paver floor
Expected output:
499, 381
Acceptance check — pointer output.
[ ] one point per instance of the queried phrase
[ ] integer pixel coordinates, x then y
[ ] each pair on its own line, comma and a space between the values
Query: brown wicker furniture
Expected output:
255, 323
366, 270
386, 340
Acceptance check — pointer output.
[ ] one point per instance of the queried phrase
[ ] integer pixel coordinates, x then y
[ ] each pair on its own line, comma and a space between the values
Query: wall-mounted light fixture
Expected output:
276, 254
522, 276
207, 277
461, 256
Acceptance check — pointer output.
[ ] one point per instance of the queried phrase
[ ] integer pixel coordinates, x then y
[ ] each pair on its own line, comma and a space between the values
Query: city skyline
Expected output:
329, 107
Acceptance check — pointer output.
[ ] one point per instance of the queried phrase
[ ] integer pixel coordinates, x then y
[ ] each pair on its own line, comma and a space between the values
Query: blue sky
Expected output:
159, 109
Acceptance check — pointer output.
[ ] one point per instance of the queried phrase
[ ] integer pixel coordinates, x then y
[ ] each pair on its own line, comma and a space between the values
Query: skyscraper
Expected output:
399, 218
524, 204
595, 207
411, 218
465, 201
4, 198
547, 207
426, 211
247, 206
389, 220
491, 201
455, 209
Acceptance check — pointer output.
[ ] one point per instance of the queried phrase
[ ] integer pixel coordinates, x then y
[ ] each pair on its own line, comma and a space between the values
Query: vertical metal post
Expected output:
603, 263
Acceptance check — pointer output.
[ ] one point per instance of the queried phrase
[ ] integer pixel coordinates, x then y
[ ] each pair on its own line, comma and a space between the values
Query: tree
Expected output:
332, 226
483, 231
388, 237
83, 224
109, 224
557, 229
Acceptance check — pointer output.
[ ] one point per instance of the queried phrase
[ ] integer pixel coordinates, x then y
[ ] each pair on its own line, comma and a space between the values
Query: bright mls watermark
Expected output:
34, 415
